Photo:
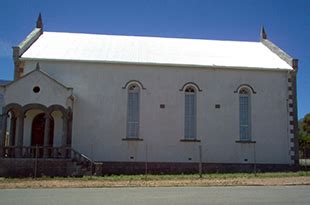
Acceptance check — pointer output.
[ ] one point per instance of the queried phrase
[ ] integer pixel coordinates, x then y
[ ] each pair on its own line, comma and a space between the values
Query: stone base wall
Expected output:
65, 167
28, 167
108, 168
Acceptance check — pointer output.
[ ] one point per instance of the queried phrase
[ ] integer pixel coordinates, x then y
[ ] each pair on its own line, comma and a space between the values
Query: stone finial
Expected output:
263, 34
39, 22
37, 66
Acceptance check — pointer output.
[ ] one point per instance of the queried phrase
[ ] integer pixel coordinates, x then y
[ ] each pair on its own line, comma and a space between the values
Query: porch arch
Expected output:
20, 113
16, 114
60, 108
66, 120
16, 108
35, 106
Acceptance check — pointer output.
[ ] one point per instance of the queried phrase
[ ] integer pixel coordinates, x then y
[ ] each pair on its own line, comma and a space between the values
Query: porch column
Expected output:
3, 134
64, 137
11, 152
20, 134
46, 135
12, 131
69, 133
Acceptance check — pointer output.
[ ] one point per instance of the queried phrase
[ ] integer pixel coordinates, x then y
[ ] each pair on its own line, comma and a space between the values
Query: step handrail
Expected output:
82, 155
25, 152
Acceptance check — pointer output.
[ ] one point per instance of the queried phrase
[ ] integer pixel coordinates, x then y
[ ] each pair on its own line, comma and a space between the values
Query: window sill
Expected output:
246, 141
189, 140
132, 139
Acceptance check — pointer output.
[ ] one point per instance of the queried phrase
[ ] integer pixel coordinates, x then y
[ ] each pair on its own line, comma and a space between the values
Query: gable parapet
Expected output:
278, 51
19, 50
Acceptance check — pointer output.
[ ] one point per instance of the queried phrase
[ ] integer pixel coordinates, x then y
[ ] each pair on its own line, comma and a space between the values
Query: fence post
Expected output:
200, 161
254, 150
92, 159
36, 162
145, 164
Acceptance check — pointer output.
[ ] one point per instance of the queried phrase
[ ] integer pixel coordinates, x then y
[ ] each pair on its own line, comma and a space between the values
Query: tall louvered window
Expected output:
190, 113
245, 114
133, 108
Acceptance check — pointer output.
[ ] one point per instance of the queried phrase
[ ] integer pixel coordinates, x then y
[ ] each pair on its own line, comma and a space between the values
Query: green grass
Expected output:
227, 179
174, 177
187, 176
196, 176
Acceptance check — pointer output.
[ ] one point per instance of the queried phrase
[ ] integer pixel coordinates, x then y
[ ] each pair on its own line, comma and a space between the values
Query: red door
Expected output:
37, 136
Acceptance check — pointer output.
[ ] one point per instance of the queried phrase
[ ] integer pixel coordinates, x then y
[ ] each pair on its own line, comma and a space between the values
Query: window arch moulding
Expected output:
245, 86
190, 84
126, 86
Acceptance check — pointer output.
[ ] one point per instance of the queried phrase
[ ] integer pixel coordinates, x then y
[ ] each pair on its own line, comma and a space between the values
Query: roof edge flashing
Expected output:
280, 53
157, 64
28, 41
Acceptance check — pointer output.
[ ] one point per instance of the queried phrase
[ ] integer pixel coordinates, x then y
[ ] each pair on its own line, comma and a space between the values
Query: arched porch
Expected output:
34, 130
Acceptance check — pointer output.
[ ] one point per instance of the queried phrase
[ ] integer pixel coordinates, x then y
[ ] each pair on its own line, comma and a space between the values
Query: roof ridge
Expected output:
152, 37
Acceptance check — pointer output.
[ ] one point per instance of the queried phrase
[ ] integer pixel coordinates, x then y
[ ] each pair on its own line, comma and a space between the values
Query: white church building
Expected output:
131, 103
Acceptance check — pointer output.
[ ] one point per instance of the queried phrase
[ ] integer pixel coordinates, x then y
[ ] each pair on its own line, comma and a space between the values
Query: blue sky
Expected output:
287, 23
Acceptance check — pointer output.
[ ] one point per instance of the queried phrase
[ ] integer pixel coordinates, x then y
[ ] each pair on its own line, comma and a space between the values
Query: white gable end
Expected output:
39, 88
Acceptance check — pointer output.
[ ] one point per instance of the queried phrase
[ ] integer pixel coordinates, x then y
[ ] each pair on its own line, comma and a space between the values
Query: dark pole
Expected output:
200, 161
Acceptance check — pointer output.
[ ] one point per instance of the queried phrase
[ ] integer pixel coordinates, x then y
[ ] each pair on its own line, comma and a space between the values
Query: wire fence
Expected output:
304, 155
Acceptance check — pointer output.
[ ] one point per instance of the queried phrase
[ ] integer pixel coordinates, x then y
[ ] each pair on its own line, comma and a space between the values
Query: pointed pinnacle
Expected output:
263, 34
39, 21
37, 66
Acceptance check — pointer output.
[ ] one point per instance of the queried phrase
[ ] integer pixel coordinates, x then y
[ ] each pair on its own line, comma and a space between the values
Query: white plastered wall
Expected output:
50, 92
99, 113
58, 124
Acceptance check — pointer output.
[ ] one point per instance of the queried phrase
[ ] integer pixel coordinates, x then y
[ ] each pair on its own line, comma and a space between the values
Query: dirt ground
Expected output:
87, 183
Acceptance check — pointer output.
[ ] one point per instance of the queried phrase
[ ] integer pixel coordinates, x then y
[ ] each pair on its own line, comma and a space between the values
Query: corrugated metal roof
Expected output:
153, 50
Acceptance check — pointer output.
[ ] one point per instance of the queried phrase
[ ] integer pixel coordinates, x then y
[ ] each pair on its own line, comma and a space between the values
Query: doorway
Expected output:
37, 132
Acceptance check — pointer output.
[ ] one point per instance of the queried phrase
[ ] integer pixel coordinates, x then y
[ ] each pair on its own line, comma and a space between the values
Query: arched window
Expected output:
133, 107
245, 114
190, 117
